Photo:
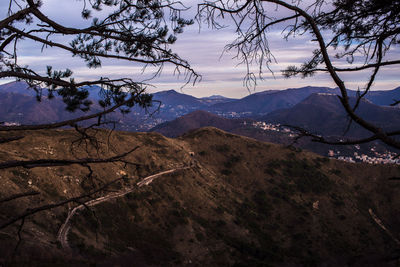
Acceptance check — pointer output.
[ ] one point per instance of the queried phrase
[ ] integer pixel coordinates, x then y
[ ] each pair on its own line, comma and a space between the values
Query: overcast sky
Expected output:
220, 74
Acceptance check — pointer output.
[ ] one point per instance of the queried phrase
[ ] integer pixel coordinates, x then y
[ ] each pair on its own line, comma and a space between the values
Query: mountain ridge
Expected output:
194, 120
323, 114
169, 105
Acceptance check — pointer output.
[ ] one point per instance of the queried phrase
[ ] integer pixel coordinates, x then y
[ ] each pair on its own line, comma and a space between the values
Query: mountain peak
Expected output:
172, 91
214, 97
17, 87
195, 120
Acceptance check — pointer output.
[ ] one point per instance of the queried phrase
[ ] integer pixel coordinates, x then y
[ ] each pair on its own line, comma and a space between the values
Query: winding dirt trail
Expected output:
62, 235
383, 227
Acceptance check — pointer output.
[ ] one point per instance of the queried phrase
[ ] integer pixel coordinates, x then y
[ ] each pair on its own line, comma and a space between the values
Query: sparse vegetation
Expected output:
335, 172
224, 148
307, 177
232, 161
202, 153
244, 217
226, 172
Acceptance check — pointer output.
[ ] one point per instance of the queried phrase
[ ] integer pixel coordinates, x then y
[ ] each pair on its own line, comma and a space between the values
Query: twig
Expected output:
20, 195
63, 162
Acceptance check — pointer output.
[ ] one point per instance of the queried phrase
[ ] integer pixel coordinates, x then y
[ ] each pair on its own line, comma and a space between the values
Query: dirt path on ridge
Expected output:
62, 235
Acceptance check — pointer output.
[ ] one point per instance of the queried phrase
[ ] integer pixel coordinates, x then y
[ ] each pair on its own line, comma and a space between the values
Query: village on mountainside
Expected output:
373, 157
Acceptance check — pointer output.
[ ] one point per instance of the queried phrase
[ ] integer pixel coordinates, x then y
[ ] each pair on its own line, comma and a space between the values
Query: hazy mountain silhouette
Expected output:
324, 114
215, 99
169, 105
384, 98
268, 101
17, 88
25, 109
195, 120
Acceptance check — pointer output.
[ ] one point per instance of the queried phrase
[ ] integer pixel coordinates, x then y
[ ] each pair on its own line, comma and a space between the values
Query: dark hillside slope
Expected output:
195, 120
384, 98
235, 202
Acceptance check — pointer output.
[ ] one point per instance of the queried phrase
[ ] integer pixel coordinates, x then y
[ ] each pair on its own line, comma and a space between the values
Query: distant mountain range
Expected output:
256, 105
315, 108
18, 104
323, 114
268, 101
319, 113
264, 102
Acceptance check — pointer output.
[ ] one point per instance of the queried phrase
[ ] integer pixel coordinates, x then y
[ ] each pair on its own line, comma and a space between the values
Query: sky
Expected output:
203, 49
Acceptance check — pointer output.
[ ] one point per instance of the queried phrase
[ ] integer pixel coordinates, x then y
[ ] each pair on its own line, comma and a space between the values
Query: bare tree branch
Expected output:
63, 162
20, 195
364, 67
253, 19
10, 139
28, 212
17, 16
62, 123
320, 139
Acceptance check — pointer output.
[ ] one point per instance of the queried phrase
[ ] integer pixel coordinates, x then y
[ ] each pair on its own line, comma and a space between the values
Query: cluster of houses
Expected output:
273, 127
386, 157
233, 114
375, 157
11, 124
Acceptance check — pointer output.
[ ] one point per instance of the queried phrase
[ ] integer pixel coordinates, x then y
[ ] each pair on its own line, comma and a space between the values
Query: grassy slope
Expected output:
243, 203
